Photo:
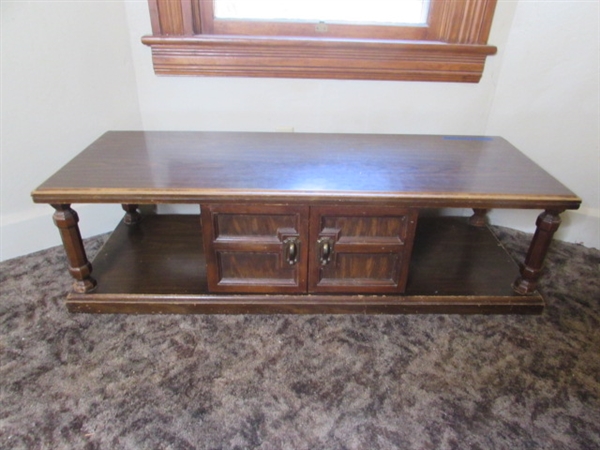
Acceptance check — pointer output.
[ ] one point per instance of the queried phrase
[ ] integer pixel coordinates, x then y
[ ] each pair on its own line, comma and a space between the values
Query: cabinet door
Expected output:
359, 249
255, 248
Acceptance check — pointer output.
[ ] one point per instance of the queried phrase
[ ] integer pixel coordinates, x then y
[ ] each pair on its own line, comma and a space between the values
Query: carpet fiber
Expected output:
300, 382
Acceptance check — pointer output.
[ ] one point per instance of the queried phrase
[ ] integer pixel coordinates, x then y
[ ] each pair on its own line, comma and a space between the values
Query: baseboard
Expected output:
34, 230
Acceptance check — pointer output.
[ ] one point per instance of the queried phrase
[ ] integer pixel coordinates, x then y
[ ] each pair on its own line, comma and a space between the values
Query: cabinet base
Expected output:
157, 266
298, 304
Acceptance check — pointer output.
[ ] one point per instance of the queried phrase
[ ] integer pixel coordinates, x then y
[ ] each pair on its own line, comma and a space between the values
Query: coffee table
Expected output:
304, 223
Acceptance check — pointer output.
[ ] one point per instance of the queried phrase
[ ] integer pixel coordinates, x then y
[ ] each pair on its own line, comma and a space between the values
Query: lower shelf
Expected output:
158, 266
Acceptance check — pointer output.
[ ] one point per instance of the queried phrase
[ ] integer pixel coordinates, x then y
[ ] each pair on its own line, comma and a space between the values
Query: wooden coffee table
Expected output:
304, 223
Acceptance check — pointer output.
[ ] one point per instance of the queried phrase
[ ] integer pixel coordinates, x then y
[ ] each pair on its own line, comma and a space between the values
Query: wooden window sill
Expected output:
253, 56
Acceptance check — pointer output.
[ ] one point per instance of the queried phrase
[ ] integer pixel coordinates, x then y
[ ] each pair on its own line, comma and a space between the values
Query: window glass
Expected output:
377, 12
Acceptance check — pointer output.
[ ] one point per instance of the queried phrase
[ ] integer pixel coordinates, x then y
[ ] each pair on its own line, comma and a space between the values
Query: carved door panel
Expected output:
256, 248
360, 249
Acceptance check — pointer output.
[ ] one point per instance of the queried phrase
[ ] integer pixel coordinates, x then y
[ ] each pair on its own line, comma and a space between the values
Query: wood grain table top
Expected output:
193, 167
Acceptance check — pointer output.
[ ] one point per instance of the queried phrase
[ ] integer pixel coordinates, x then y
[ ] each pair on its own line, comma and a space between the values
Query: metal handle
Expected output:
325, 250
291, 252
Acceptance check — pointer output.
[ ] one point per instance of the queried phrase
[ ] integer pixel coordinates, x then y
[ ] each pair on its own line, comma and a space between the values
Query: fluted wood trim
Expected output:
462, 22
170, 17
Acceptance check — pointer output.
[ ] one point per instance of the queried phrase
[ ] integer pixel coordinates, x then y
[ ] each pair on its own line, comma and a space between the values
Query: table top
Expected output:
192, 167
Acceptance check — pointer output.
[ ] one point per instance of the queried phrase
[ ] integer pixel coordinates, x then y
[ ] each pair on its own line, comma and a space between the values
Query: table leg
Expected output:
478, 219
66, 220
547, 223
132, 215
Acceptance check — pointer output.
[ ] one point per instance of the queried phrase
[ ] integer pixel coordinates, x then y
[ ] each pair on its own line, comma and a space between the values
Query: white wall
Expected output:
59, 93
547, 103
540, 92
67, 76
255, 104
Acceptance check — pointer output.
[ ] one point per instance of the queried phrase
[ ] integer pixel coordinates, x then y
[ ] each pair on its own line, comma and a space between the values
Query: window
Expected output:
426, 40
384, 19
348, 11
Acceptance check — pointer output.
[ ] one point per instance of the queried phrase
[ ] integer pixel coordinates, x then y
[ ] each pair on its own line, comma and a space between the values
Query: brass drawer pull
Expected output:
291, 250
325, 250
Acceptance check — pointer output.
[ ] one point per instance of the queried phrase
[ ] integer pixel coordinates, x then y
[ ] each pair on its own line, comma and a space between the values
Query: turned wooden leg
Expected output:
478, 219
132, 215
66, 220
547, 223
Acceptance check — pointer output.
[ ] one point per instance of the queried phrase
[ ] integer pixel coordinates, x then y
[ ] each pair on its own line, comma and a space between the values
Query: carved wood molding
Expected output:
463, 22
456, 51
